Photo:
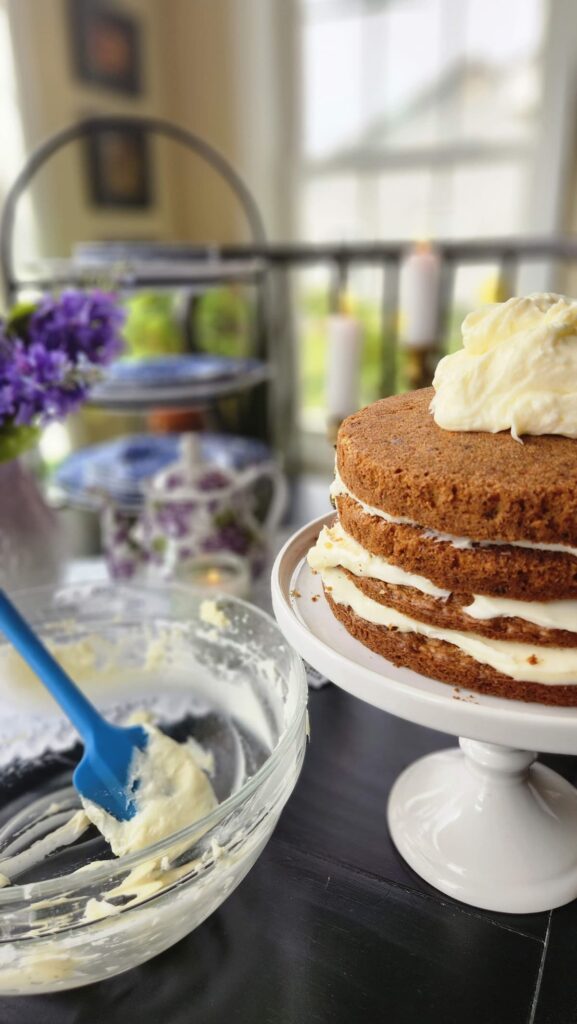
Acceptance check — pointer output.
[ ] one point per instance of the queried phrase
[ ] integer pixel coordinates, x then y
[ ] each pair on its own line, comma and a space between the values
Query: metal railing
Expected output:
275, 334
508, 255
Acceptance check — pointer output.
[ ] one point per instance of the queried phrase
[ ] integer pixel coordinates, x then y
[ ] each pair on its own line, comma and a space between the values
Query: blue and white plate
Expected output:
118, 470
168, 382
166, 371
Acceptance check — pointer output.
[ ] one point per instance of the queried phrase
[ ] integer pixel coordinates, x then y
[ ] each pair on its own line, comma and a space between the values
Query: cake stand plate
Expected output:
482, 822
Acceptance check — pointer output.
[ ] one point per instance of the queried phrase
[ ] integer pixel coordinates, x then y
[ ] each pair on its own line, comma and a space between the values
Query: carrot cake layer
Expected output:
392, 455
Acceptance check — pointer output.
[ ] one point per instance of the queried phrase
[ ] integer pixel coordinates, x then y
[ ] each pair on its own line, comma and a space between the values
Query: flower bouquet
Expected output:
51, 353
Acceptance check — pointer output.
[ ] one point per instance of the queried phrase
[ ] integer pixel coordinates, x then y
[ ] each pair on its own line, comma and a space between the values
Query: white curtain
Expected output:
12, 145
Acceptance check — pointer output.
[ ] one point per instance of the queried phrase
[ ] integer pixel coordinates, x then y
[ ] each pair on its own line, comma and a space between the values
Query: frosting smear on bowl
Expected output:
173, 792
517, 369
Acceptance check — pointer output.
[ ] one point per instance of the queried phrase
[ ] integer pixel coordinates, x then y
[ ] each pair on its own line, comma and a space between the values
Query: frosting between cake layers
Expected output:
517, 370
524, 662
338, 488
336, 548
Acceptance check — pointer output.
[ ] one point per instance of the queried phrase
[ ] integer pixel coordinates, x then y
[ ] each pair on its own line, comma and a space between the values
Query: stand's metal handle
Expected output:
152, 125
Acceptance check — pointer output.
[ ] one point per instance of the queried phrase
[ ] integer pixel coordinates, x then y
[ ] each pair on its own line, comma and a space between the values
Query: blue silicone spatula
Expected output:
104, 773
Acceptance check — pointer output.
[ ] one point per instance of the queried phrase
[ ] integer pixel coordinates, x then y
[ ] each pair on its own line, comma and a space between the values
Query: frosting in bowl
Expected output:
173, 792
517, 369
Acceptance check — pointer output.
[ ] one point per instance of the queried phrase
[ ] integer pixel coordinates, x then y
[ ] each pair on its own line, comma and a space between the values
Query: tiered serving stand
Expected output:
130, 267
482, 822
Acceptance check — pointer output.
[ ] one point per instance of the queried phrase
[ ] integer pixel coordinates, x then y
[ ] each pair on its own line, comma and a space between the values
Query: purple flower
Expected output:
83, 325
37, 385
47, 373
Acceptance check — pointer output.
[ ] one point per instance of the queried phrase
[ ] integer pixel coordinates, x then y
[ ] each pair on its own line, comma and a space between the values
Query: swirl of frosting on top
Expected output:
517, 370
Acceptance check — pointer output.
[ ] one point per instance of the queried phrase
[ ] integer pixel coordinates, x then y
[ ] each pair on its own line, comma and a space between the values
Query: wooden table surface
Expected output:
332, 927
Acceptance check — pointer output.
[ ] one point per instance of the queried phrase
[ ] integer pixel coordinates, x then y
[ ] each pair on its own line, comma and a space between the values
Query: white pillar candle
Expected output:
419, 297
344, 352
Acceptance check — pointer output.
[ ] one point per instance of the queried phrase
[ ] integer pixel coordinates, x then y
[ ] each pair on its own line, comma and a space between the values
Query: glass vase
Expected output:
31, 547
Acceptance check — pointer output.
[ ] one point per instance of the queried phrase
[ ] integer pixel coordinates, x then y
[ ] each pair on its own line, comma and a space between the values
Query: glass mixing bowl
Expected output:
219, 676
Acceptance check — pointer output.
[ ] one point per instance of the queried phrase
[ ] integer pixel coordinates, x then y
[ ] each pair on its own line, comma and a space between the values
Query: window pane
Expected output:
329, 209
499, 32
419, 73
405, 205
332, 107
488, 201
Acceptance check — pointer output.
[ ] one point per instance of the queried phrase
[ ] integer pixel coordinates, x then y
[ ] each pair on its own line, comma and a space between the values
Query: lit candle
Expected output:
419, 297
220, 572
344, 352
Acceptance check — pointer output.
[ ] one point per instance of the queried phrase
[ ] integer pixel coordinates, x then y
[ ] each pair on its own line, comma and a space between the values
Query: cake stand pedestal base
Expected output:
488, 826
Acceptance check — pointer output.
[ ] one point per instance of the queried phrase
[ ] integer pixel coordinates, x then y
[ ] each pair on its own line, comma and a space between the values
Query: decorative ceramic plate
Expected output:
187, 381
164, 371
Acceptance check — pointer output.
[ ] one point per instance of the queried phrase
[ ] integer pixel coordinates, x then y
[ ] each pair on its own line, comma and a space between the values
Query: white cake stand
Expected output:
481, 822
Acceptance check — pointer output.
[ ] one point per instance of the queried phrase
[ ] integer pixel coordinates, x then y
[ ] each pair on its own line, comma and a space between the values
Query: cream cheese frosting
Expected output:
172, 793
524, 662
335, 547
64, 835
517, 369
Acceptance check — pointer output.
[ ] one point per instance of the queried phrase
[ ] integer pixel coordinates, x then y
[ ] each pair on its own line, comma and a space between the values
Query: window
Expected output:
419, 119
401, 100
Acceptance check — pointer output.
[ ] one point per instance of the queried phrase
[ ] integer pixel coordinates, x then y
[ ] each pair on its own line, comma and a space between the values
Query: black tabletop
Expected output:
332, 926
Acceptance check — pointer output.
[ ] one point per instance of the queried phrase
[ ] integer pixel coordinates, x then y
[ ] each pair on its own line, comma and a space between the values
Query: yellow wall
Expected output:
229, 83
197, 48
52, 99
211, 66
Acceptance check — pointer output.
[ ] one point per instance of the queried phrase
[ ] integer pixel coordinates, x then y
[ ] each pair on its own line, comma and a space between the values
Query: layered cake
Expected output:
454, 549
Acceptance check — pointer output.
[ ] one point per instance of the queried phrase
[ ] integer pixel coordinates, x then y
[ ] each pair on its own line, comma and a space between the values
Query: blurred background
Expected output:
399, 163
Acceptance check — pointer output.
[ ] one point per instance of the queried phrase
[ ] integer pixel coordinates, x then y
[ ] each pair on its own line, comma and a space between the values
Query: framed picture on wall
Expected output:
105, 46
118, 167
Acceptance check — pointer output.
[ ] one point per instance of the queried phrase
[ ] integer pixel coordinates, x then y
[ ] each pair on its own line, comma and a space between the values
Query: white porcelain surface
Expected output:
487, 826
481, 823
